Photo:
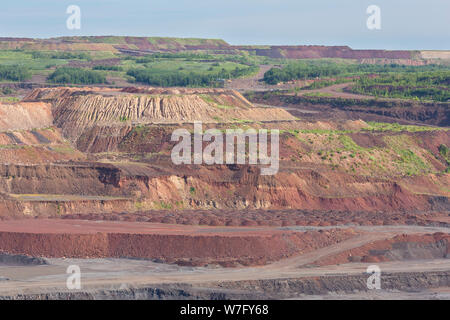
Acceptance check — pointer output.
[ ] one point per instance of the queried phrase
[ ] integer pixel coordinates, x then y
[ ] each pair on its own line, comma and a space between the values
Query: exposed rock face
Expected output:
25, 116
21, 260
401, 247
259, 289
381, 110
31, 137
79, 179
145, 186
28, 136
41, 206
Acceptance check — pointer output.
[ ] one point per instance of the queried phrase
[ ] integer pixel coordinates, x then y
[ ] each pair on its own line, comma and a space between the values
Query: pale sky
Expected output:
405, 24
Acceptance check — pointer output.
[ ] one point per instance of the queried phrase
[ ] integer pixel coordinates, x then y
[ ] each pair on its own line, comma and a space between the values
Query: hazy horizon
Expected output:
405, 25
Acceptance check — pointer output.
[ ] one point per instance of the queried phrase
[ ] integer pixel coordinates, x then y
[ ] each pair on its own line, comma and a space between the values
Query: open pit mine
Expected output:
86, 179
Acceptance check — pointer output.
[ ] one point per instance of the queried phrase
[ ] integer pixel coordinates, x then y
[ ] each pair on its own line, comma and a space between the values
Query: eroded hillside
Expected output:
75, 110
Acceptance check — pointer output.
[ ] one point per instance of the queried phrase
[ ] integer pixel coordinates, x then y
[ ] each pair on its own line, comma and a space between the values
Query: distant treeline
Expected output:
187, 79
76, 76
343, 103
422, 86
320, 69
14, 73
325, 83
60, 55
189, 56
178, 55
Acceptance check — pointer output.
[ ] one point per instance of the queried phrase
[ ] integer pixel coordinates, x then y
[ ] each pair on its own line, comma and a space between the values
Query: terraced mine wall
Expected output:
157, 183
80, 179
42, 206
407, 281
259, 290
398, 248
143, 187
433, 113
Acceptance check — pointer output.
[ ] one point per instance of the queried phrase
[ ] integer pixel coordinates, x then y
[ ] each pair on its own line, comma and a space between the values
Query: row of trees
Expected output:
324, 83
76, 76
68, 75
107, 68
434, 94
434, 78
189, 56
320, 69
60, 55
185, 78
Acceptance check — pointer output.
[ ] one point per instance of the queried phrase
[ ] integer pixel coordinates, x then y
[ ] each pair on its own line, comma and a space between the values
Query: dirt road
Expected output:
251, 83
335, 91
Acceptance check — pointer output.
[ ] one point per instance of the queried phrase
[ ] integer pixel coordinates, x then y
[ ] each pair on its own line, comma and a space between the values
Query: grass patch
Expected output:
348, 143
395, 127
9, 99
317, 94
408, 161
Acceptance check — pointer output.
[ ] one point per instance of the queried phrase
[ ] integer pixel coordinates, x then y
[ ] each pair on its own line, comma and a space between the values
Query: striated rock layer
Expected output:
76, 109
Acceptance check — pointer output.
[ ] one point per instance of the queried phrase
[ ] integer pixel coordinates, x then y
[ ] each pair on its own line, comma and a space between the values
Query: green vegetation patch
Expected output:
396, 127
317, 94
65, 55
325, 83
107, 68
445, 152
407, 159
400, 155
9, 99
76, 76
14, 73
185, 78
313, 69
433, 86
349, 144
